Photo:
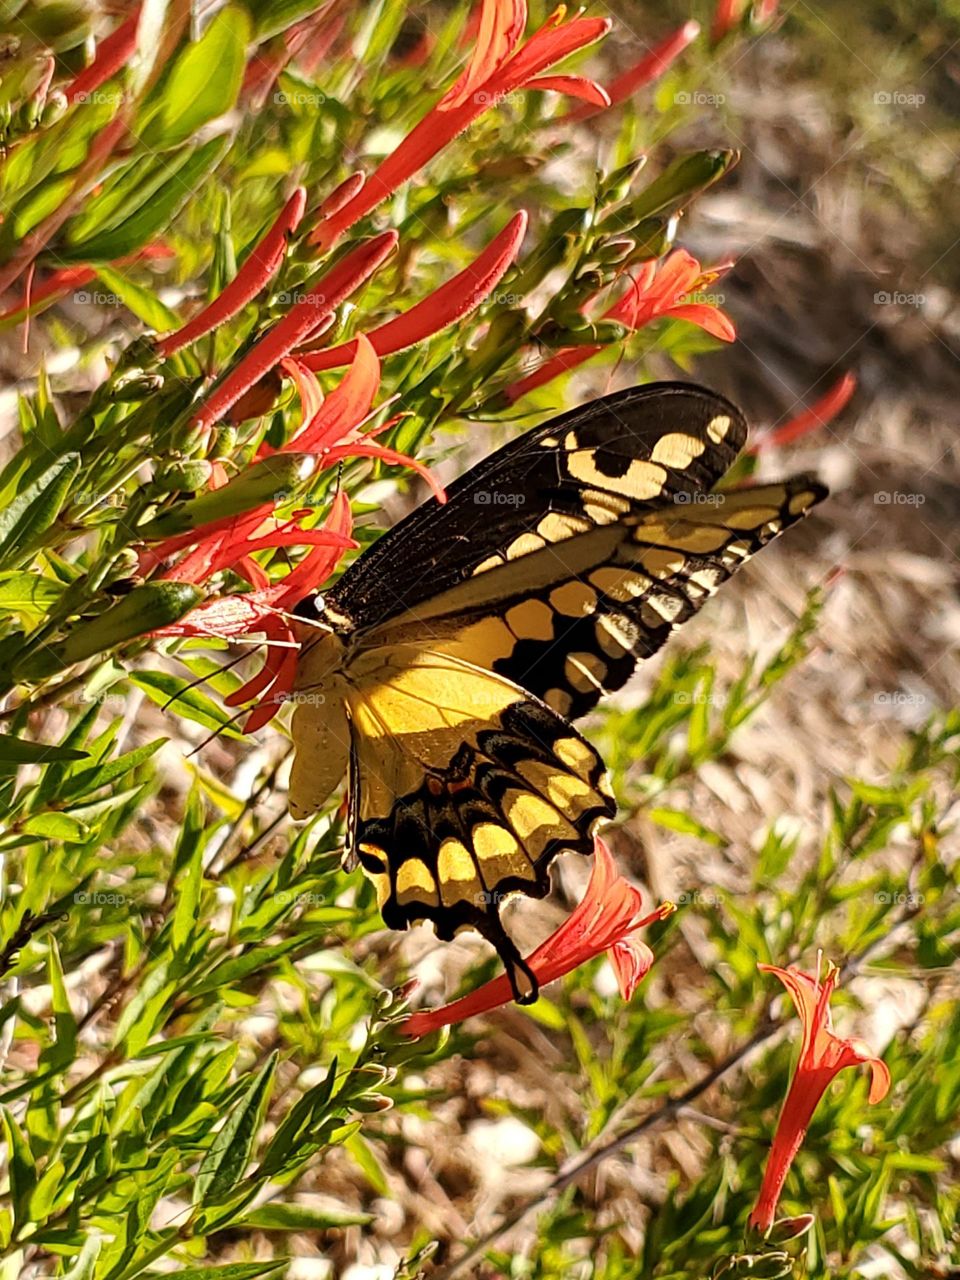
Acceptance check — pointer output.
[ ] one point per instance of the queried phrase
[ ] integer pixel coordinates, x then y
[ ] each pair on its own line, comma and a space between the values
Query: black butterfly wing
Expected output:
628, 453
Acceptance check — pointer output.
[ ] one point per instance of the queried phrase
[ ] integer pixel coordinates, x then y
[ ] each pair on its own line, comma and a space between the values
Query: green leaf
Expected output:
55, 826
34, 510
235, 1271
90, 780
15, 750
687, 825
163, 688
144, 303
27, 595
189, 877
21, 1168
224, 1164
204, 82
281, 1216
154, 216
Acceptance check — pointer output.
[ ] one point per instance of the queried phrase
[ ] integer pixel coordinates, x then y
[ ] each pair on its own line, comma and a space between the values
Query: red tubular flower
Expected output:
657, 289
325, 433
818, 415
301, 320
496, 68
822, 1055
260, 266
606, 919
443, 307
650, 67
726, 15
113, 53
264, 611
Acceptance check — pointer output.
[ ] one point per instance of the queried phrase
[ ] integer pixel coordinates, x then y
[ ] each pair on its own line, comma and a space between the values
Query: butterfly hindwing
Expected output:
464, 789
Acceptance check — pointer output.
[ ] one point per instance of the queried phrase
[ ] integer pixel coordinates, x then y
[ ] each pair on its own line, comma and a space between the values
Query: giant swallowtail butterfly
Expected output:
448, 662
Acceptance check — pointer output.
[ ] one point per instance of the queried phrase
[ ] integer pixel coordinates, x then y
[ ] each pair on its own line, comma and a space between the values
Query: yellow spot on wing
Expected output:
491, 562
584, 672
677, 450
500, 854
557, 526
663, 564
559, 700
525, 545
457, 873
619, 584
573, 599
532, 620
415, 883
534, 820
718, 427
575, 754
641, 479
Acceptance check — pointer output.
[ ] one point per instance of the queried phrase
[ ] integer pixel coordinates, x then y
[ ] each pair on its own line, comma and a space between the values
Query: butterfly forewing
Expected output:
628, 453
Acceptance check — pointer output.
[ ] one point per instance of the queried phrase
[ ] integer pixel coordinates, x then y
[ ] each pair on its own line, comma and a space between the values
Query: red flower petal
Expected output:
818, 415
112, 54
260, 265
316, 567
822, 1055
649, 68
605, 919
339, 282
385, 454
500, 27
442, 124
707, 317
460, 295
347, 405
574, 87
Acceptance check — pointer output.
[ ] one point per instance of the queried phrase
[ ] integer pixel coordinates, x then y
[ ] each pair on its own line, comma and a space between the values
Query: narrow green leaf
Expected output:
21, 1168
224, 1164
35, 509
20, 751
55, 826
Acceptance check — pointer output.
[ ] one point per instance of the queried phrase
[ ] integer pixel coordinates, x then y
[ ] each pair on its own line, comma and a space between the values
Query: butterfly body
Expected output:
442, 671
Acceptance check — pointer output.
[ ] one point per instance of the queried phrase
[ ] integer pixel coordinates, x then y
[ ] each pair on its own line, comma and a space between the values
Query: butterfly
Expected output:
442, 672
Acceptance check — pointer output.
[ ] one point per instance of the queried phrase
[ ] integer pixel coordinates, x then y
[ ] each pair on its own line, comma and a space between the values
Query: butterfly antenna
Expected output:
227, 724
227, 666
